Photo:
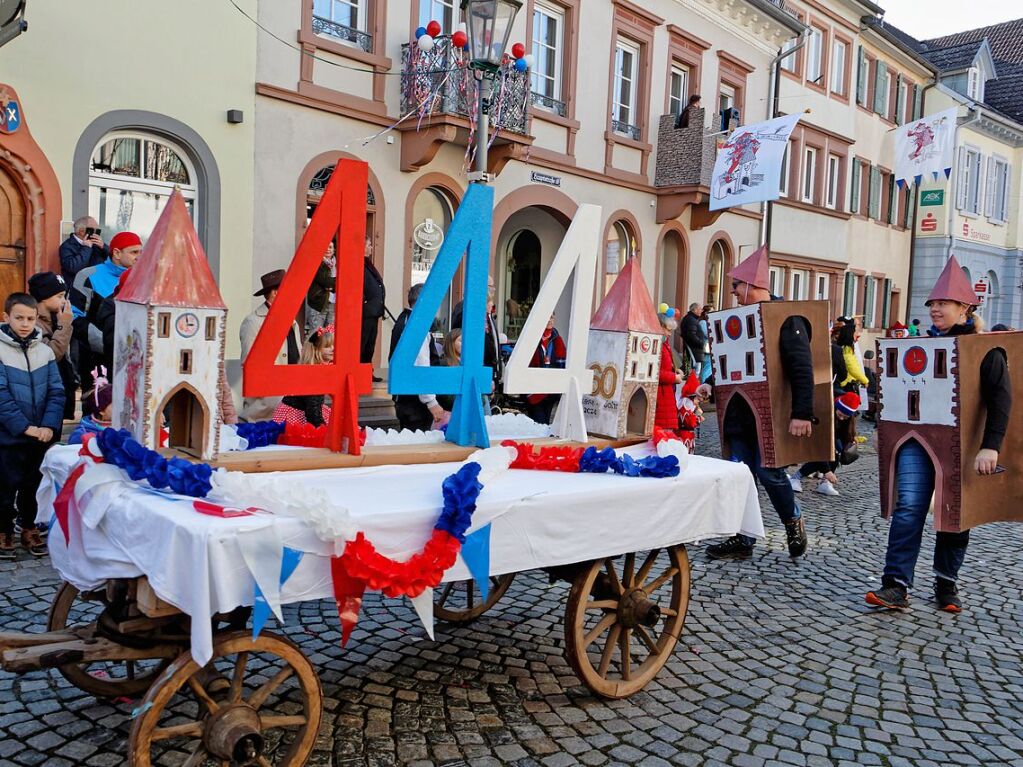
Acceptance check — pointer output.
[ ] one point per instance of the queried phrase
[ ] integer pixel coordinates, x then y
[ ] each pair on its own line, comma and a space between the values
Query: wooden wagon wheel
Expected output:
623, 622
71, 611
462, 601
259, 704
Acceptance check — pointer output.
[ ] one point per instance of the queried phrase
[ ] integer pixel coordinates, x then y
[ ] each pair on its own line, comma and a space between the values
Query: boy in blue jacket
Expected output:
31, 412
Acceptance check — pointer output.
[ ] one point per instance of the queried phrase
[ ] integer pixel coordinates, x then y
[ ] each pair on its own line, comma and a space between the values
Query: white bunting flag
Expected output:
748, 164
925, 148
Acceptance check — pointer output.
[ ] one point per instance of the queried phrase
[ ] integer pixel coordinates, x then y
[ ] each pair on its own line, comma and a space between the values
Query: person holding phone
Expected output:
85, 247
54, 323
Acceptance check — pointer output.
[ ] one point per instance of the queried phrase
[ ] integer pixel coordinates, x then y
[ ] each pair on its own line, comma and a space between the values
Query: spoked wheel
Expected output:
624, 618
462, 601
257, 703
77, 612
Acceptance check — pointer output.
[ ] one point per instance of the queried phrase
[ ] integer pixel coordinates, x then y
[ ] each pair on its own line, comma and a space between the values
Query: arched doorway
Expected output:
12, 235
717, 261
619, 247
522, 279
187, 419
314, 193
992, 301
131, 177
674, 265
432, 213
639, 408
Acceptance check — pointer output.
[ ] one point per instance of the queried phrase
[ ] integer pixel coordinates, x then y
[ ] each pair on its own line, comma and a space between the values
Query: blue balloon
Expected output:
521, 65
670, 313
466, 47
420, 31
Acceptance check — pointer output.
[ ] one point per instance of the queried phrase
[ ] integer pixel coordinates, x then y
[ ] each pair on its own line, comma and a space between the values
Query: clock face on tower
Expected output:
915, 361
187, 325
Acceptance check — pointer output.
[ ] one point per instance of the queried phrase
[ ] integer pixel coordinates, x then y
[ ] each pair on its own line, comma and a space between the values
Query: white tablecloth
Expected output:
540, 519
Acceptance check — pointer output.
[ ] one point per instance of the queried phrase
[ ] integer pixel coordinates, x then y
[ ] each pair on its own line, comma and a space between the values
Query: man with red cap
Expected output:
751, 285
92, 285
951, 305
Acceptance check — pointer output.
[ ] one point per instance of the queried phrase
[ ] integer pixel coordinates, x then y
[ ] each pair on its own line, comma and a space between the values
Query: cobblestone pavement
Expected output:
781, 662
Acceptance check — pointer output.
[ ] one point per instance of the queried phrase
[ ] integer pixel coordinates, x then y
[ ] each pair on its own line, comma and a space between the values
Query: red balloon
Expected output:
433, 28
459, 39
518, 50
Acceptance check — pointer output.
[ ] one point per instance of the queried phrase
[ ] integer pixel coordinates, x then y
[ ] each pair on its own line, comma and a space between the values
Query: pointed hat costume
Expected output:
953, 285
755, 270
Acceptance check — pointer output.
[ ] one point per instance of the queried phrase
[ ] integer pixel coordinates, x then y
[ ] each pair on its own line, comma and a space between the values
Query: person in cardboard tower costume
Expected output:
750, 285
951, 304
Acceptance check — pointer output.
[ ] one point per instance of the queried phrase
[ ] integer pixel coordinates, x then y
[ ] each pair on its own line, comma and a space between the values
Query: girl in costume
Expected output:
309, 408
666, 415
97, 408
951, 303
550, 353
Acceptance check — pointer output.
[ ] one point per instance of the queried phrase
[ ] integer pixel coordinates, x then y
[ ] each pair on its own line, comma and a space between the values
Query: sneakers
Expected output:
734, 548
947, 594
32, 541
826, 488
796, 482
7, 546
43, 529
795, 533
891, 596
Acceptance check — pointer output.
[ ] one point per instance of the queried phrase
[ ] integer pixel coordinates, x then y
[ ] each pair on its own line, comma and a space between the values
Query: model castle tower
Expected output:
625, 357
169, 341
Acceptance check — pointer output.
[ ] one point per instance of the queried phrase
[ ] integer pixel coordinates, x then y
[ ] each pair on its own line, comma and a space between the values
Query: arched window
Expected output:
620, 246
717, 260
432, 213
131, 177
992, 300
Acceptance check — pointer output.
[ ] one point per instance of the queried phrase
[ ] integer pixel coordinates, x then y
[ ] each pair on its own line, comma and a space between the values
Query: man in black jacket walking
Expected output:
693, 337
373, 295
739, 428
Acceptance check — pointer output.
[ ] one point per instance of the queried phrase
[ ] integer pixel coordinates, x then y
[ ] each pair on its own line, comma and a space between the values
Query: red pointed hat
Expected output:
755, 270
953, 285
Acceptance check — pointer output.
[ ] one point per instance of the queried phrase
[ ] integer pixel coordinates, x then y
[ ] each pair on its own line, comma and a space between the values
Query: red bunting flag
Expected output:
348, 593
66, 496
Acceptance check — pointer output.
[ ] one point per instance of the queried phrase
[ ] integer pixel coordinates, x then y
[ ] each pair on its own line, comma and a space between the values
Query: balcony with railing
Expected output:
684, 165
439, 103
339, 31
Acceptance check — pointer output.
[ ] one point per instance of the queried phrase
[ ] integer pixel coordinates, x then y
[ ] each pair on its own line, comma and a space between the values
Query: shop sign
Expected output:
929, 223
11, 117
933, 197
972, 233
428, 235
545, 178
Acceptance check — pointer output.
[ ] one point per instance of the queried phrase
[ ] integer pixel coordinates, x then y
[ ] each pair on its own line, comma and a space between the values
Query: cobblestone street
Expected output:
781, 662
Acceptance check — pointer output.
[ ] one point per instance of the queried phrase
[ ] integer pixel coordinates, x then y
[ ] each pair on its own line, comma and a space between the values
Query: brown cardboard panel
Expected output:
820, 446
999, 497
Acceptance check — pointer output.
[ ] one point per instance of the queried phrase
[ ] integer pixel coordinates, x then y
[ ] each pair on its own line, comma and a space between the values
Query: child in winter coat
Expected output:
309, 408
31, 413
97, 408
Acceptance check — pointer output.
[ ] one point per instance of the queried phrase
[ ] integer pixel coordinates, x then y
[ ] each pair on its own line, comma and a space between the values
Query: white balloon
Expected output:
426, 43
462, 27
529, 60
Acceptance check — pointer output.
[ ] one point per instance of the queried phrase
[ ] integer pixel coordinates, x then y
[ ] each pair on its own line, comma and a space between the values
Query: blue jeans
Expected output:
914, 475
774, 481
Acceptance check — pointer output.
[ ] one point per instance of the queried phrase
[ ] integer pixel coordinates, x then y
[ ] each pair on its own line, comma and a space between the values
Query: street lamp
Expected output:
489, 26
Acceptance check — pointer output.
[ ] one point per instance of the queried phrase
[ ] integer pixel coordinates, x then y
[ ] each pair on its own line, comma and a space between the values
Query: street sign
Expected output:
933, 197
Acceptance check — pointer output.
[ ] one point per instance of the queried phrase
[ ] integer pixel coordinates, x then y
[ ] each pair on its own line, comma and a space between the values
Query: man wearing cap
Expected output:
261, 408
54, 324
90, 287
750, 285
83, 248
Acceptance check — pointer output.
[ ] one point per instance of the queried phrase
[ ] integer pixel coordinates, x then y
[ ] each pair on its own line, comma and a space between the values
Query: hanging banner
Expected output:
925, 148
748, 165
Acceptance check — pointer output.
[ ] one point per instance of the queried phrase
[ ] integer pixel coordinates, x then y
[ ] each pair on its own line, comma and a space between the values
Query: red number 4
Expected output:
342, 211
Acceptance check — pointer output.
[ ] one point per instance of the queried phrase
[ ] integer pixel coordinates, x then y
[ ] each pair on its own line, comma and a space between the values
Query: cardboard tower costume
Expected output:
624, 355
169, 341
746, 357
929, 390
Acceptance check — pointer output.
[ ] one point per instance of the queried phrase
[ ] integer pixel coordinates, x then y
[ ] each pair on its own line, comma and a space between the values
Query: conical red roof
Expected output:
953, 285
628, 305
172, 269
755, 270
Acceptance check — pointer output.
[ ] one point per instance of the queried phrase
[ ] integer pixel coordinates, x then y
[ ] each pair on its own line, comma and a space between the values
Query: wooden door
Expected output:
12, 236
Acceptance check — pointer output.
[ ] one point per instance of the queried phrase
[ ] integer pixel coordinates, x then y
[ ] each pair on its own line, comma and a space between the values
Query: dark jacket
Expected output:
995, 390
310, 404
693, 336
31, 392
318, 296
103, 316
491, 341
373, 293
399, 328
74, 256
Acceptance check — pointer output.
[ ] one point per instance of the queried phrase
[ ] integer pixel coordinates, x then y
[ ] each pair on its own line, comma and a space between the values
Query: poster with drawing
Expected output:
925, 147
748, 164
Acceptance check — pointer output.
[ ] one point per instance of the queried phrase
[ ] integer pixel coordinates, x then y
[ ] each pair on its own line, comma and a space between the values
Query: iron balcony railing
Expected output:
632, 131
322, 26
439, 81
549, 103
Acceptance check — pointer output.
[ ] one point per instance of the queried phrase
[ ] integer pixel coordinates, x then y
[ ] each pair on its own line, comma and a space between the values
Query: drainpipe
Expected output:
773, 90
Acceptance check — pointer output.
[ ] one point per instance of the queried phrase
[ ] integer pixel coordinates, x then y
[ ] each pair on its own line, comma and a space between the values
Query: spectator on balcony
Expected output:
682, 118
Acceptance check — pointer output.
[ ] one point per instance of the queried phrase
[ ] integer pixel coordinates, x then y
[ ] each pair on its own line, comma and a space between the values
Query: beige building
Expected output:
117, 108
842, 229
581, 127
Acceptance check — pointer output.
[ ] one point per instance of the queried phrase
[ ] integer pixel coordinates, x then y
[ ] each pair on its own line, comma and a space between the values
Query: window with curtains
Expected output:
849, 294
548, 54
874, 200
856, 186
838, 54
625, 98
869, 308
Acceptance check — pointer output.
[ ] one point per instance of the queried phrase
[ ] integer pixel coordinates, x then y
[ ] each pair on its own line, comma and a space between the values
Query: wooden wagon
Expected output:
259, 701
